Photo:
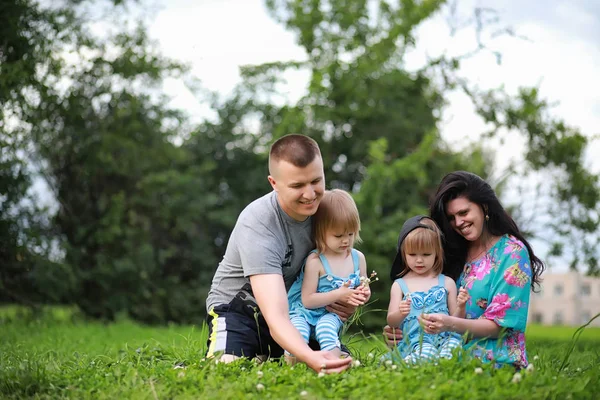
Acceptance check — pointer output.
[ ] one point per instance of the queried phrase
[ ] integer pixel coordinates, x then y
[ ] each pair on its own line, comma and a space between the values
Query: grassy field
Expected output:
60, 356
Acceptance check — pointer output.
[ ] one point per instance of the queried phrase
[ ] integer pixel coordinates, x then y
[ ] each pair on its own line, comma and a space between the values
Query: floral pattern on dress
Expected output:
501, 283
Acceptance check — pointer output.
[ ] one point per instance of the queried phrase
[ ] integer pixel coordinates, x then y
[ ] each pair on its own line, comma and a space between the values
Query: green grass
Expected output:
56, 355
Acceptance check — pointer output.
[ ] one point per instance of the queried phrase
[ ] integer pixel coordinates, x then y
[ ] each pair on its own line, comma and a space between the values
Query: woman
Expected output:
487, 255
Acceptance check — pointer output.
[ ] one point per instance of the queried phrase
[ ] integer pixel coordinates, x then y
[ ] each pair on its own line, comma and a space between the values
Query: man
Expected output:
247, 303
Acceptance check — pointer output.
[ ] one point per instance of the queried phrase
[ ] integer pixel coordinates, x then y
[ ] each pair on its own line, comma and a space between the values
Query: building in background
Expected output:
566, 299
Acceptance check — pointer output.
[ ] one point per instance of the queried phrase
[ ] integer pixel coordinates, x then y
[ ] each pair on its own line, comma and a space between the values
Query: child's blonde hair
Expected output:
337, 210
423, 240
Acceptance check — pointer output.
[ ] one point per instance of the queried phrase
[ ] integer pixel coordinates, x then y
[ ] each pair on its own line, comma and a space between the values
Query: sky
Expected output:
556, 49
559, 54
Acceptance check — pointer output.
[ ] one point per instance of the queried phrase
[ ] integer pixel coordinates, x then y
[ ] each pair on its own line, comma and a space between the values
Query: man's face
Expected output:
299, 190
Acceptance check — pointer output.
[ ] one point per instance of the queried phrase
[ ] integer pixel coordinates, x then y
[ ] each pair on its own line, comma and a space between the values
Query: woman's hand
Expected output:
434, 323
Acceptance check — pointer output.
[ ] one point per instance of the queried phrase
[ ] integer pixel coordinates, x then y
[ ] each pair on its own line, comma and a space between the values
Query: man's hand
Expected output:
393, 336
327, 362
343, 310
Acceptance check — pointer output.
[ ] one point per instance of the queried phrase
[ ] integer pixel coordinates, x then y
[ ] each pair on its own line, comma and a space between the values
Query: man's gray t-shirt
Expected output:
265, 240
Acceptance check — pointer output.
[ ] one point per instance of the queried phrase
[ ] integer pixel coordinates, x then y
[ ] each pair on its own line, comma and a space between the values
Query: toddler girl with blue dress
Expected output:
420, 287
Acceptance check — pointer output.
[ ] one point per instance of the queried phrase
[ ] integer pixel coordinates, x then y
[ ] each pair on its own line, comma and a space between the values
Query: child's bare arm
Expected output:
461, 303
398, 309
363, 272
312, 299
453, 307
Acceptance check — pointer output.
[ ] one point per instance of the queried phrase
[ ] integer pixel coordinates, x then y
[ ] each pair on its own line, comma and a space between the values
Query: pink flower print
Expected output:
514, 246
514, 276
497, 308
482, 268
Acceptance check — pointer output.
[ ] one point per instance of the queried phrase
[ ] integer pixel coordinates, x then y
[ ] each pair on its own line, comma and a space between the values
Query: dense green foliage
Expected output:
145, 200
61, 356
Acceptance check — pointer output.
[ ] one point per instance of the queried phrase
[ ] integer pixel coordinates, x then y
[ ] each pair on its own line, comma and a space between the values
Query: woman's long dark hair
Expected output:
476, 190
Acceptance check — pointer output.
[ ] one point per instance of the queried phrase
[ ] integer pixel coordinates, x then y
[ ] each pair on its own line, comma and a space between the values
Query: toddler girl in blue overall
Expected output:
420, 287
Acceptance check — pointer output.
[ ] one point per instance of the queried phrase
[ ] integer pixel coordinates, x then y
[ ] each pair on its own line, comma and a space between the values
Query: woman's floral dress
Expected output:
499, 285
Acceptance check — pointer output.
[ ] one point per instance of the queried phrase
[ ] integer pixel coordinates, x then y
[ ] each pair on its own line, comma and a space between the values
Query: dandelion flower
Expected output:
260, 387
260, 374
478, 370
516, 377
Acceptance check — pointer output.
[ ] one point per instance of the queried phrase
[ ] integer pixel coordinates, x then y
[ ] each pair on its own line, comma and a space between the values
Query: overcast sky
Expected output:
561, 55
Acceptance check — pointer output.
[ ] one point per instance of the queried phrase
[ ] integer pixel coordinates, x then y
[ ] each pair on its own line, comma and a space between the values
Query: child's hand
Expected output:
354, 297
404, 307
463, 297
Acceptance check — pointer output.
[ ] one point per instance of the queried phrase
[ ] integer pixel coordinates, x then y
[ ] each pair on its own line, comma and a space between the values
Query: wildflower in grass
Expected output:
478, 370
260, 374
388, 362
536, 357
356, 363
260, 387
530, 368
370, 356
394, 366
303, 393
516, 377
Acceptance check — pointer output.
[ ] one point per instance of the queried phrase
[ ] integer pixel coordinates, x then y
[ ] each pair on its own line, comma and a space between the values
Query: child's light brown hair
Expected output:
338, 211
426, 241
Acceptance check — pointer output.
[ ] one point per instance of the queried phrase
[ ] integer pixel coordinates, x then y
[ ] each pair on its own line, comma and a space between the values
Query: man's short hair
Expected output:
298, 150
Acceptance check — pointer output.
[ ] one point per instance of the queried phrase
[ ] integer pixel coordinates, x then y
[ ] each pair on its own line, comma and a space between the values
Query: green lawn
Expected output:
57, 356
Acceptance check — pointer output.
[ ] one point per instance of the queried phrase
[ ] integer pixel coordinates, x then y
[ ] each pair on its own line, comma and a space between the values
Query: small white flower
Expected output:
260, 374
530, 368
516, 377
243, 368
388, 362
536, 357
370, 356
394, 366
478, 370
303, 393
260, 387
356, 363
321, 374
